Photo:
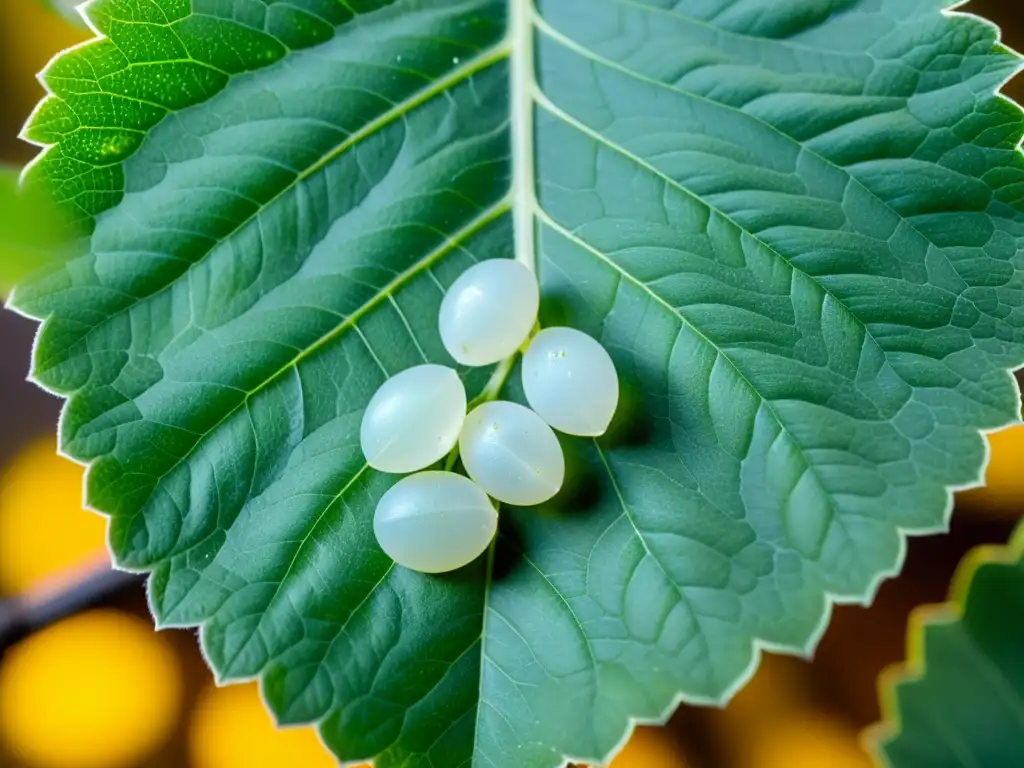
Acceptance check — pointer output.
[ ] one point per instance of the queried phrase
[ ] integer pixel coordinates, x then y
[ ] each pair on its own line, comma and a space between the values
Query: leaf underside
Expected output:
796, 226
959, 702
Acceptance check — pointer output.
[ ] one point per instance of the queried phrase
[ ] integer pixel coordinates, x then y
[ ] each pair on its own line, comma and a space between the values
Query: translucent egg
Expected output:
414, 419
570, 381
434, 521
489, 311
512, 454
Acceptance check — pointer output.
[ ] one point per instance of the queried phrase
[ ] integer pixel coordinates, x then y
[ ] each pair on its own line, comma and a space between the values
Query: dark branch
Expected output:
29, 613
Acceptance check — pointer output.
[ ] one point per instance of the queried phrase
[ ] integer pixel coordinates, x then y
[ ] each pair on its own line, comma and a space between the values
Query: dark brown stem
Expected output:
23, 615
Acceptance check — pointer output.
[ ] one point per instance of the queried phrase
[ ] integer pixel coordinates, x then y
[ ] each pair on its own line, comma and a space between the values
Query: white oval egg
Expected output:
414, 419
489, 311
512, 454
434, 521
570, 381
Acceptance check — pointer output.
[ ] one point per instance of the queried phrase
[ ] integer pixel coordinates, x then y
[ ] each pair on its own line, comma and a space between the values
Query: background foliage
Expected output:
957, 701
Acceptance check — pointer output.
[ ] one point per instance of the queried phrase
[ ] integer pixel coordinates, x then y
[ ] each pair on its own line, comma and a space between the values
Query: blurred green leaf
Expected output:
33, 233
66, 8
959, 700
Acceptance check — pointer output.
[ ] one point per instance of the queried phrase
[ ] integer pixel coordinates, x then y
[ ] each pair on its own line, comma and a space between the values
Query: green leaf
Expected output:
796, 226
959, 699
33, 233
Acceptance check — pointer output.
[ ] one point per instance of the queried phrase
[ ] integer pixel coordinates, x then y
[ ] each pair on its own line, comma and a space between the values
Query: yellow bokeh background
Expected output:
1003, 492
29, 37
98, 690
104, 690
231, 728
43, 529
649, 747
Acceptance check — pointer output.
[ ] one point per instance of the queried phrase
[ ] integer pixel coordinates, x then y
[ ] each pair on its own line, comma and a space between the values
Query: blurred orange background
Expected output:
103, 690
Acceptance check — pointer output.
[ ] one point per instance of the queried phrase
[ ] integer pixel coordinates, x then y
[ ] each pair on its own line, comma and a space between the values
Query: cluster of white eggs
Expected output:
437, 521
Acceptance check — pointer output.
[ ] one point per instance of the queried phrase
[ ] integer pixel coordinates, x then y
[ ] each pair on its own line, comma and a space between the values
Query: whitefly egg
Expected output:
414, 419
489, 311
434, 521
570, 381
512, 454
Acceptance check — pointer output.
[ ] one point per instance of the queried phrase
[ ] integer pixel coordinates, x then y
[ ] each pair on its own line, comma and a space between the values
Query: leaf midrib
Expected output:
521, 19
525, 95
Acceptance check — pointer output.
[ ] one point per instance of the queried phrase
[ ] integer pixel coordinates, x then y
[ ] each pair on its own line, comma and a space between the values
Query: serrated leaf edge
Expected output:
913, 667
